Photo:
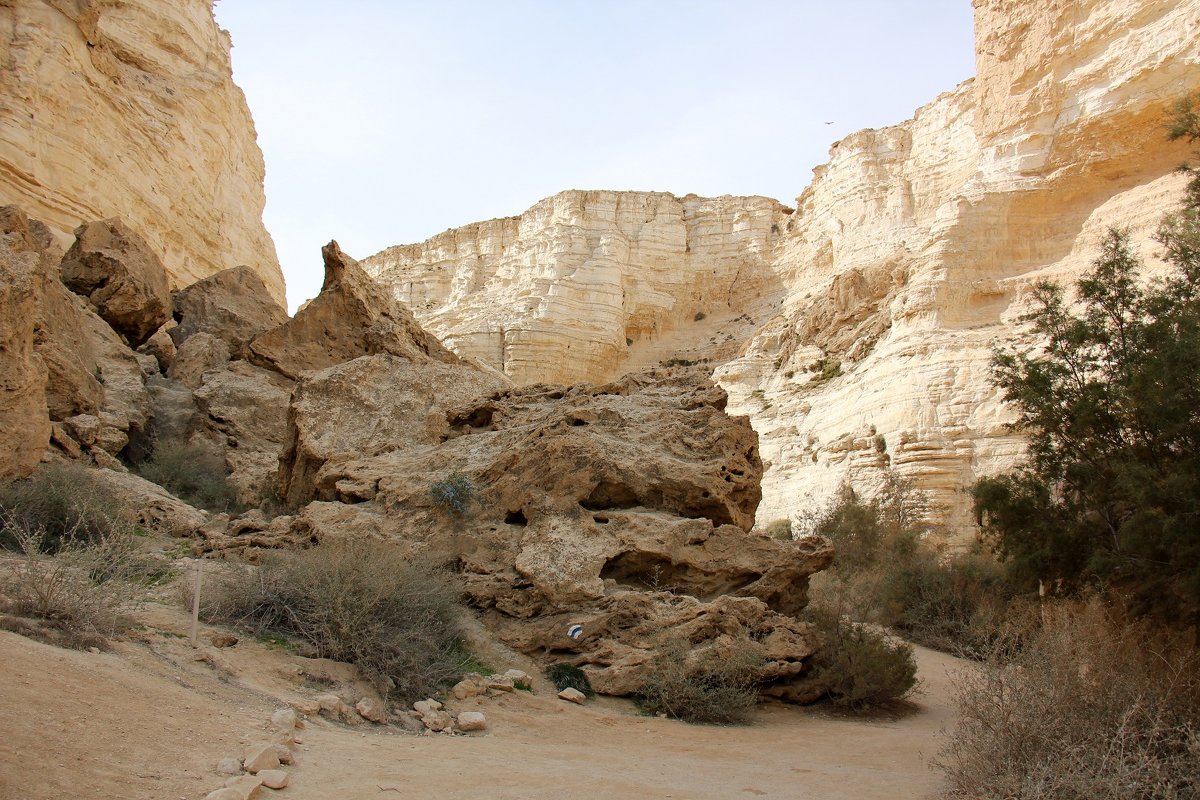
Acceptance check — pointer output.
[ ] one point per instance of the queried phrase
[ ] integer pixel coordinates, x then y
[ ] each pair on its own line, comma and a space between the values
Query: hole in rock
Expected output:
476, 418
650, 572
600, 520
608, 494
516, 518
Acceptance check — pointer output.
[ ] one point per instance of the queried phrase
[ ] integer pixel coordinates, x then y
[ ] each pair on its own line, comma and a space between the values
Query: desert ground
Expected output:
152, 717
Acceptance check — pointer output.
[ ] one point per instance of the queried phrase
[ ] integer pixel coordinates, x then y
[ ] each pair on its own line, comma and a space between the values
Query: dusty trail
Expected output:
150, 721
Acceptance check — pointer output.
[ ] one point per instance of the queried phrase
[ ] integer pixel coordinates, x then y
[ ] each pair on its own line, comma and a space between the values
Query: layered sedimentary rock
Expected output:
905, 261
588, 285
128, 109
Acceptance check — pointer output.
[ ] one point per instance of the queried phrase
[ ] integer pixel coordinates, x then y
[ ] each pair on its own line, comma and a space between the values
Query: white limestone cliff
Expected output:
857, 330
127, 108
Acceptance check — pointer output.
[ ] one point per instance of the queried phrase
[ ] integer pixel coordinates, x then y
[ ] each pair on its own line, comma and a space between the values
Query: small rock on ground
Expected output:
573, 695
471, 721
274, 778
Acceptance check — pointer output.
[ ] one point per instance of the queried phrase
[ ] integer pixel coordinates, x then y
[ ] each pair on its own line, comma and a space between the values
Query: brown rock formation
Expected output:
124, 281
234, 305
128, 109
623, 507
352, 316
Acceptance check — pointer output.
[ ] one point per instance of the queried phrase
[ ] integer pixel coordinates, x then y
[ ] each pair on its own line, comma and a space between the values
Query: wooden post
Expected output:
196, 602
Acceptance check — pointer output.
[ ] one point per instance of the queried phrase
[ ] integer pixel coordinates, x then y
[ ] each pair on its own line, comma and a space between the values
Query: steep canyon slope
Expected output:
856, 329
128, 109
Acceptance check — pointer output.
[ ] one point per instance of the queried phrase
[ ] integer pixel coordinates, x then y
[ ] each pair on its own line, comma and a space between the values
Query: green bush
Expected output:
455, 493
194, 473
860, 666
884, 573
63, 503
359, 602
707, 688
1086, 708
569, 676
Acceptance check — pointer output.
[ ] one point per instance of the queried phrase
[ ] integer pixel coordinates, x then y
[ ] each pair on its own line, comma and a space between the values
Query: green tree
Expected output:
1111, 405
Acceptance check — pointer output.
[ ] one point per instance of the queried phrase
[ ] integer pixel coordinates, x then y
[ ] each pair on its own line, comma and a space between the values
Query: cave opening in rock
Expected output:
609, 494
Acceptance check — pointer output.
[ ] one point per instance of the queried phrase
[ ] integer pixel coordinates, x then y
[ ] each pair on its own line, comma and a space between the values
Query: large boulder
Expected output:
233, 305
368, 406
24, 422
122, 278
352, 316
244, 410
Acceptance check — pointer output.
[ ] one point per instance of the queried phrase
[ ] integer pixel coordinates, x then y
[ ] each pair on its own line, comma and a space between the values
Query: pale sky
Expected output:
385, 122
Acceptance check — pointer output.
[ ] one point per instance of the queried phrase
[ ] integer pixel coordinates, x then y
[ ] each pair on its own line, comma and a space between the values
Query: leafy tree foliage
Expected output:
1111, 404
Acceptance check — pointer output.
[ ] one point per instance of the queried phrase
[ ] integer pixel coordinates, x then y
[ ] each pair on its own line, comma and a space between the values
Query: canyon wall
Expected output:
588, 285
855, 331
127, 108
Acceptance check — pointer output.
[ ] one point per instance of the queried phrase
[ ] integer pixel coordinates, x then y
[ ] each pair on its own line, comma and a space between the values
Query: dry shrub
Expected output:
706, 686
780, 529
194, 473
83, 592
1088, 707
885, 573
861, 667
358, 602
61, 502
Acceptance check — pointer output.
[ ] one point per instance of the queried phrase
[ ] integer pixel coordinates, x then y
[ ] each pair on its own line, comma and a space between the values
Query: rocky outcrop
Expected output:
623, 507
590, 285
864, 321
88, 378
234, 305
121, 278
128, 109
352, 316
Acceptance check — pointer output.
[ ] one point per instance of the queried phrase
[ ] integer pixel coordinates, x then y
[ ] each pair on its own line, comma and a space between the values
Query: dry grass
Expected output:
1088, 707
80, 594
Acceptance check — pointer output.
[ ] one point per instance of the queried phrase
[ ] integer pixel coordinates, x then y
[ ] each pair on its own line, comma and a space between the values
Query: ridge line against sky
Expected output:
385, 123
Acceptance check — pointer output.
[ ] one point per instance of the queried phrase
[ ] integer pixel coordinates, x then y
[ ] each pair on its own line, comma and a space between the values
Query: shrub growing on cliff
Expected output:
62, 503
358, 602
455, 493
194, 473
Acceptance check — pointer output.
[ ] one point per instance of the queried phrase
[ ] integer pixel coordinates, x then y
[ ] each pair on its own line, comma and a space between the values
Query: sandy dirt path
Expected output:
540, 747
151, 721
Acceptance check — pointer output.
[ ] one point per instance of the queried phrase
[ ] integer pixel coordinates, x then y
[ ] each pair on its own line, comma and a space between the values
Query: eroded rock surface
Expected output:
129, 109
114, 268
624, 506
234, 305
352, 316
